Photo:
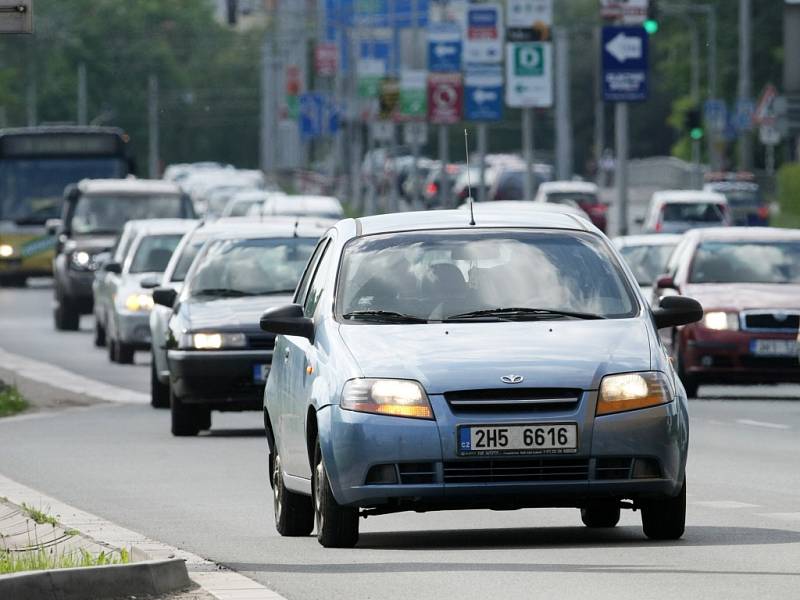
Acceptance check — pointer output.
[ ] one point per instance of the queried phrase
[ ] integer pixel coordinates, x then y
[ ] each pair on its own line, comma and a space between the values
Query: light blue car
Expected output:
431, 364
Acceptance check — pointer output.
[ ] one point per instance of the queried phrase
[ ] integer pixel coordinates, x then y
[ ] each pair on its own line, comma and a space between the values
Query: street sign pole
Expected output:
527, 151
621, 176
444, 187
482, 150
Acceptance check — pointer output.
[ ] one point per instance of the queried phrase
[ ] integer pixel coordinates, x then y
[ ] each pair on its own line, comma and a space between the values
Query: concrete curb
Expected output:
153, 577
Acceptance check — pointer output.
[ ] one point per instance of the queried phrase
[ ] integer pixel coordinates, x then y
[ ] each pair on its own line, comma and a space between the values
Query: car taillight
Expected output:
658, 226
431, 189
763, 212
594, 208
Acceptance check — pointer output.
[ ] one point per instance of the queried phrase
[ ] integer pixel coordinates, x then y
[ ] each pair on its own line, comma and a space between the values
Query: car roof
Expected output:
161, 226
688, 197
459, 219
568, 186
737, 234
270, 230
651, 239
525, 205
131, 185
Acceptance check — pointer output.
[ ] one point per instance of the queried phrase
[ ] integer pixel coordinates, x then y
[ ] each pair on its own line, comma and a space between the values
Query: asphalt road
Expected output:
210, 495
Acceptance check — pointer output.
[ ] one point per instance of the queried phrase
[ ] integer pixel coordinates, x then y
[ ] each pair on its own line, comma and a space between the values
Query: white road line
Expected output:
762, 424
53, 376
786, 516
724, 504
222, 584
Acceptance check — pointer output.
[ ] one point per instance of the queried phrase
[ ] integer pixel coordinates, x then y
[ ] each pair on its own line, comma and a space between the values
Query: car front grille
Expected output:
613, 468
771, 362
261, 342
512, 471
416, 473
514, 399
771, 320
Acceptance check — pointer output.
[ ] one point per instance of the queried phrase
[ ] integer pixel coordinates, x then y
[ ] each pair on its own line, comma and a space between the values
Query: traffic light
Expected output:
694, 123
651, 23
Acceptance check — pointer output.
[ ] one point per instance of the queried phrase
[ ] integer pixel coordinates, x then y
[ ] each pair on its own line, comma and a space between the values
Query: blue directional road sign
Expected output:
318, 116
483, 94
625, 65
444, 48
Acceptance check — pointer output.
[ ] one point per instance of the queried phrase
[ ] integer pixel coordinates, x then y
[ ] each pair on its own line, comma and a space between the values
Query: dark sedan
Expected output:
218, 357
748, 281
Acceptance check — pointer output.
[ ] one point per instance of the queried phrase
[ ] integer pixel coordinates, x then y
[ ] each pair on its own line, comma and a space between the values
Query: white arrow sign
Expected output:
623, 48
442, 50
481, 96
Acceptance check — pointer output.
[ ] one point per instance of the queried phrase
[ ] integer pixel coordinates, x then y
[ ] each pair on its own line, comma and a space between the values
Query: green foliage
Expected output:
40, 517
41, 558
789, 195
11, 401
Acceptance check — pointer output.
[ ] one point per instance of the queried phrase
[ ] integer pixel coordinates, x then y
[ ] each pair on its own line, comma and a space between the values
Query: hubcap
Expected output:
319, 473
277, 488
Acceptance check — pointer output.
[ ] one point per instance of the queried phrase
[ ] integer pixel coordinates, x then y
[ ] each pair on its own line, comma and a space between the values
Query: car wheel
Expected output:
99, 334
601, 514
294, 513
184, 421
337, 526
665, 519
689, 382
112, 349
202, 417
125, 353
159, 392
65, 317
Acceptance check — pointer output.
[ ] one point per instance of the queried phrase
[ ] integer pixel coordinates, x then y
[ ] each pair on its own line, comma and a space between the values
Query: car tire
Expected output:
294, 513
13, 281
159, 392
125, 353
665, 519
337, 526
65, 317
202, 416
112, 349
601, 514
184, 417
99, 334
690, 383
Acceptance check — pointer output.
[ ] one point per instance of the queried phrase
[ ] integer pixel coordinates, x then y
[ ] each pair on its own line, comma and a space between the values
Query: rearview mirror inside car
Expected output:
149, 283
112, 267
165, 296
677, 310
288, 320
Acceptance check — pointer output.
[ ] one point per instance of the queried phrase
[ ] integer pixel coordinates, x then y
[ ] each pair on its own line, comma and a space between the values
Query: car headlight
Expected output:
139, 302
397, 397
630, 391
6, 250
82, 261
721, 321
212, 341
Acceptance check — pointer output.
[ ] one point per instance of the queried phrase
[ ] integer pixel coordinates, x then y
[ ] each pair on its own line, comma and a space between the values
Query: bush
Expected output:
789, 189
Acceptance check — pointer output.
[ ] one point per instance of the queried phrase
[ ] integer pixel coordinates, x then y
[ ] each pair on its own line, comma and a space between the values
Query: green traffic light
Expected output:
696, 133
651, 26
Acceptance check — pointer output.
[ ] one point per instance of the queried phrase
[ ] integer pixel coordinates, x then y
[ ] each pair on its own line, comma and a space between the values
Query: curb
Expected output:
153, 577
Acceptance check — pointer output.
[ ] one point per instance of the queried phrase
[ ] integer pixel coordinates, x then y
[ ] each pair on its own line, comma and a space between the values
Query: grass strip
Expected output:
11, 401
40, 559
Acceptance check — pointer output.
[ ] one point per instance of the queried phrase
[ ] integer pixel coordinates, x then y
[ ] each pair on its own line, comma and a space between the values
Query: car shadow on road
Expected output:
229, 433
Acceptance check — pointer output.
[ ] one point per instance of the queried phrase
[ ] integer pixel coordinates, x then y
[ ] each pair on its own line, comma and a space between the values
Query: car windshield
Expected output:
746, 262
189, 253
94, 213
250, 267
153, 253
692, 212
647, 262
435, 275
578, 197
31, 190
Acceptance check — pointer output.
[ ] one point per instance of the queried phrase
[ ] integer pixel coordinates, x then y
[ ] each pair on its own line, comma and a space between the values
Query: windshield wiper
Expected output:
523, 313
222, 293
383, 315
272, 292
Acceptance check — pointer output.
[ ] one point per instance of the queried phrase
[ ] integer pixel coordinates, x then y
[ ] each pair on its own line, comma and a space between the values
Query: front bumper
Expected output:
430, 473
223, 379
75, 288
725, 356
133, 328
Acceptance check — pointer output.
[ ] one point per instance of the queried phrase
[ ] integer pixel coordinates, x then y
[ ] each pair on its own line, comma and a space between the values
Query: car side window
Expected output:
305, 280
317, 282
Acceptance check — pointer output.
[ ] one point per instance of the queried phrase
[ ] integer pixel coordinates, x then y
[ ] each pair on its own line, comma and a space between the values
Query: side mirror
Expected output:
164, 296
52, 226
288, 320
639, 221
665, 282
149, 283
677, 310
112, 267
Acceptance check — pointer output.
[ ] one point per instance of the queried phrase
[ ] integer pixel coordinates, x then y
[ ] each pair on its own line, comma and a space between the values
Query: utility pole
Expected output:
599, 108
483, 135
621, 176
695, 93
527, 151
745, 82
564, 167
152, 125
82, 95
444, 179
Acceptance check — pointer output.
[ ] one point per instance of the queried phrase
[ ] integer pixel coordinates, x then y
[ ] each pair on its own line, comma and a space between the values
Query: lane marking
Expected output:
724, 504
764, 424
222, 584
52, 376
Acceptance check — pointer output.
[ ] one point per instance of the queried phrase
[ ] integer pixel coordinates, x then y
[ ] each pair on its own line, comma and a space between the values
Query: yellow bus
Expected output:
36, 164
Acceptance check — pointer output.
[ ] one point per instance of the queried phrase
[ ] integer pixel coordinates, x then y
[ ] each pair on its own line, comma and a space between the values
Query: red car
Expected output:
748, 281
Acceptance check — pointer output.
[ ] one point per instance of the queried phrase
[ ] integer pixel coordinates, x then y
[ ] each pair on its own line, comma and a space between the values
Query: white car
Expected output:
508, 206
247, 202
326, 207
647, 256
677, 211
584, 194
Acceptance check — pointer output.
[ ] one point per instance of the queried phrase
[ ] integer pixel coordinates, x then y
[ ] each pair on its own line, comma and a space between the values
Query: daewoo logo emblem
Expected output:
512, 379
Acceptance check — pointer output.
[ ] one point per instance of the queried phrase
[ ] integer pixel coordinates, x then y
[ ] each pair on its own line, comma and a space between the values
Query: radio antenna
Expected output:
469, 182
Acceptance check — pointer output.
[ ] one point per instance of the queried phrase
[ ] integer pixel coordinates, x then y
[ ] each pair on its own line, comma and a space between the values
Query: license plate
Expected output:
260, 373
773, 347
536, 438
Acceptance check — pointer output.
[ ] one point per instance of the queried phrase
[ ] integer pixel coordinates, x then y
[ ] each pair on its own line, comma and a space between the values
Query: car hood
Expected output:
229, 314
91, 244
743, 296
452, 356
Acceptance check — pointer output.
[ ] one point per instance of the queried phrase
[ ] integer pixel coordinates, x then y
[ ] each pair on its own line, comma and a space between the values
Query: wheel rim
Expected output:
277, 488
319, 474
